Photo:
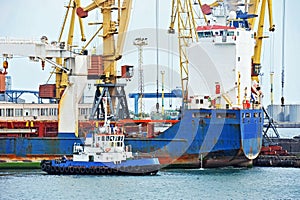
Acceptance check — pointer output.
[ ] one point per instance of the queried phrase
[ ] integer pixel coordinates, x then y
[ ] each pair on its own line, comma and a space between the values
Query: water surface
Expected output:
225, 183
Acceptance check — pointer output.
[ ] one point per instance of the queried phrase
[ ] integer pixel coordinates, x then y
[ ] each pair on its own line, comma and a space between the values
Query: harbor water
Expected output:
288, 132
222, 183
225, 183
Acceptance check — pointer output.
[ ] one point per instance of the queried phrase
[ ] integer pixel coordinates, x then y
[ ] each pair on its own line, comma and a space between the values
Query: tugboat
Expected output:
103, 153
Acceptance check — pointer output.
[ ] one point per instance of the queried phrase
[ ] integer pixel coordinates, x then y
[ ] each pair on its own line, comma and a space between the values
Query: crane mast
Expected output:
254, 8
283, 51
61, 78
107, 85
182, 10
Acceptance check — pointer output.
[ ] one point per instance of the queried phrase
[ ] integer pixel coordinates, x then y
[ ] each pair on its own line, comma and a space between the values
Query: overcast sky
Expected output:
35, 18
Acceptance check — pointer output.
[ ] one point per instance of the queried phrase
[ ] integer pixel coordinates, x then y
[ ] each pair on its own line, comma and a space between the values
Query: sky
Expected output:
32, 19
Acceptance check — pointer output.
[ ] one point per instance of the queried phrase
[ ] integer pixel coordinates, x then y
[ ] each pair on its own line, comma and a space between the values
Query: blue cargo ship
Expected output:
219, 125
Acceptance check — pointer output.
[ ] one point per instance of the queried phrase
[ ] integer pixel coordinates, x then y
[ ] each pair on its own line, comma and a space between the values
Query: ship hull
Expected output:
143, 166
202, 138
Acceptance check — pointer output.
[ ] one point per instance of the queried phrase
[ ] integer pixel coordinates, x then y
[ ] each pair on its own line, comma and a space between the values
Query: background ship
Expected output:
220, 123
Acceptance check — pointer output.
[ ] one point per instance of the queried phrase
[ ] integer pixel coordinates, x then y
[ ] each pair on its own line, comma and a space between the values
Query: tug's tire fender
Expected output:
72, 170
109, 170
98, 170
57, 169
48, 168
82, 170
92, 170
103, 170
67, 169
44, 166
77, 170
52, 169
61, 169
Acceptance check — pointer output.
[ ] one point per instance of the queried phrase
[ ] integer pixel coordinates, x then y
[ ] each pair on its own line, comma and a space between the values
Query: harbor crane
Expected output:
107, 85
71, 67
75, 68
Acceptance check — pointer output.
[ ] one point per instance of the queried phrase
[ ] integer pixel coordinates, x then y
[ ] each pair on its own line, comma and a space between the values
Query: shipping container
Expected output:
2, 83
47, 91
95, 67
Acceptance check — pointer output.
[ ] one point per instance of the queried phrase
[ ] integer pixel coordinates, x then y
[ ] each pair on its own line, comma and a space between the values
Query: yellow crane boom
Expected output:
255, 6
61, 77
182, 10
111, 51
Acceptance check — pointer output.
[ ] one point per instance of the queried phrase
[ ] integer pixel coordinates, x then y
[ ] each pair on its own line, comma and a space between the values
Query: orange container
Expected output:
2, 83
96, 66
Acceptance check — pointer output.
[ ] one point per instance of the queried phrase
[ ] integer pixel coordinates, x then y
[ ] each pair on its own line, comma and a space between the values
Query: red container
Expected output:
206, 9
150, 130
47, 91
276, 148
127, 71
265, 149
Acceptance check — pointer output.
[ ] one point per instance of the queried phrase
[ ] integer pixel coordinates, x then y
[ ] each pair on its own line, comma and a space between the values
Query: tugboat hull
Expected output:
147, 166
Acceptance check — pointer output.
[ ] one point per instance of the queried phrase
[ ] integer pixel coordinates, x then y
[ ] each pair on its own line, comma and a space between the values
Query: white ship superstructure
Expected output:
220, 64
